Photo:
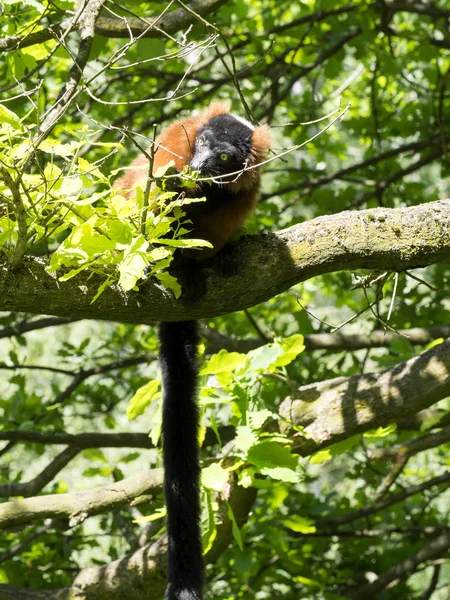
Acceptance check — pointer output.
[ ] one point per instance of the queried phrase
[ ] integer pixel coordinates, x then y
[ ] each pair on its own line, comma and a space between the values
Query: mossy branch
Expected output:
379, 239
334, 410
77, 506
115, 27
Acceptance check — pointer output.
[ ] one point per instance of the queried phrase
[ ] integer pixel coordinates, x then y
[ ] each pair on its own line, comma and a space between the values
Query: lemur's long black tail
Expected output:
178, 356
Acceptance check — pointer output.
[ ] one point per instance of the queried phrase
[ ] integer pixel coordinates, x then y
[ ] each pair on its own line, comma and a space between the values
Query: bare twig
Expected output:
391, 477
87, 15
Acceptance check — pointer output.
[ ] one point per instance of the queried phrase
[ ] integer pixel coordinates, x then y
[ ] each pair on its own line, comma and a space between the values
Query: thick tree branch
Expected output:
336, 409
384, 239
170, 23
80, 440
139, 575
112, 27
26, 326
417, 336
105, 440
77, 506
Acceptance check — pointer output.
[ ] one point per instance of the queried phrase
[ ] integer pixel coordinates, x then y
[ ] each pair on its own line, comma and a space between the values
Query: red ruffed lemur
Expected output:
216, 143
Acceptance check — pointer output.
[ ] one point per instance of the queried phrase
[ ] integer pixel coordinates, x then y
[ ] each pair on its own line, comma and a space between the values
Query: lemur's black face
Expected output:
222, 146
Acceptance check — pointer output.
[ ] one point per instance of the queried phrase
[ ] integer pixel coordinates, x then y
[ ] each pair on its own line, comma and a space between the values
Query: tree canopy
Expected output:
325, 369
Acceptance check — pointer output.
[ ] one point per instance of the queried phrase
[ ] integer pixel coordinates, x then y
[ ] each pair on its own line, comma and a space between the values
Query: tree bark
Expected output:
334, 410
380, 239
76, 507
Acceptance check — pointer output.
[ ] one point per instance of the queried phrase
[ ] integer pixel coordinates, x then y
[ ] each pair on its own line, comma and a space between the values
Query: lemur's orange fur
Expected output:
176, 143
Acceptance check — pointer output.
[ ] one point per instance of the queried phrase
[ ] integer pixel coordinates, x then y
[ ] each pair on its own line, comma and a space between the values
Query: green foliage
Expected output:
143, 398
104, 233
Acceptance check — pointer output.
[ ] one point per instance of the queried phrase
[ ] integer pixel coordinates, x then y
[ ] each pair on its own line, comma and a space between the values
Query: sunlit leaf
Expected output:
143, 398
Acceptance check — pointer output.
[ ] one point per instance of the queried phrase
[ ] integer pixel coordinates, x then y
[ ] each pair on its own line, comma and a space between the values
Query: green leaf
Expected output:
214, 477
381, 432
223, 362
101, 289
143, 398
73, 273
85, 167
71, 187
87, 238
182, 243
67, 256
335, 450
209, 532
245, 438
282, 474
313, 583
159, 513
161, 171
235, 529
246, 477
98, 471
320, 457
264, 357
434, 343
135, 261
345, 445
7, 116
257, 418
57, 148
402, 346
155, 431
170, 282
271, 455
299, 524
118, 231
158, 254
292, 347
131, 457
94, 454
122, 207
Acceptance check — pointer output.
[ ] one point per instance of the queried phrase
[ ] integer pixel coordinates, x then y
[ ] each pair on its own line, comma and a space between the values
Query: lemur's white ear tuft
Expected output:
243, 121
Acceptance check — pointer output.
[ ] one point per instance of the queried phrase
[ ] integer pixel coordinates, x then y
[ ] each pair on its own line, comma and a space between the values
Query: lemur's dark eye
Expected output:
224, 156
